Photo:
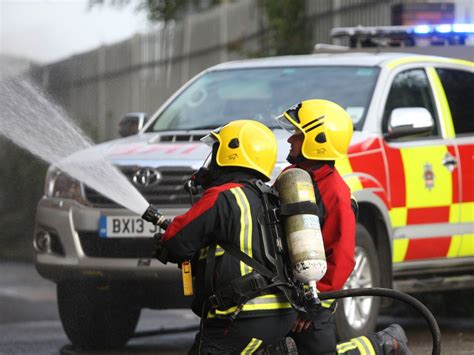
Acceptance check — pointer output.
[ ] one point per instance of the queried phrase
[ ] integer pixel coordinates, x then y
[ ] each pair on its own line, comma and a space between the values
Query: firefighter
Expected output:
322, 131
239, 311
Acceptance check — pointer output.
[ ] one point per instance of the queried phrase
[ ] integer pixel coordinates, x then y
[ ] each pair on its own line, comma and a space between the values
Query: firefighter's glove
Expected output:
160, 252
302, 323
313, 308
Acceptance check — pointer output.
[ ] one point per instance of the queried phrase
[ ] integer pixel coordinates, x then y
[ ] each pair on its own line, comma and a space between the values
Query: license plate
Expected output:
125, 227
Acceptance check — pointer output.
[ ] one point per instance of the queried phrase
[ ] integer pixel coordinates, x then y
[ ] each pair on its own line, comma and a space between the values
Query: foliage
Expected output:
288, 26
21, 186
164, 10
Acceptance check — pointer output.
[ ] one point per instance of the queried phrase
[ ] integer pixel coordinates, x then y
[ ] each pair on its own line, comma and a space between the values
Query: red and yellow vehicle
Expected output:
410, 167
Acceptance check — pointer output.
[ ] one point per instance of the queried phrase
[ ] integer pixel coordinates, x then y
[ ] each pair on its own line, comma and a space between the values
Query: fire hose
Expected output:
385, 292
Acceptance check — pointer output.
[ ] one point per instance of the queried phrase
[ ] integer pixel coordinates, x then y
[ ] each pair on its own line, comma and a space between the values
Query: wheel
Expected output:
96, 316
358, 315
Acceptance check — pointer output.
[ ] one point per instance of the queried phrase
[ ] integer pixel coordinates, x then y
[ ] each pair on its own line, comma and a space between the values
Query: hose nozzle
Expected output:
154, 216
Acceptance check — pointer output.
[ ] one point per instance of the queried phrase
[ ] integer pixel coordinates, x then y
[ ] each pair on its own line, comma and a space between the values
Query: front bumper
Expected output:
77, 248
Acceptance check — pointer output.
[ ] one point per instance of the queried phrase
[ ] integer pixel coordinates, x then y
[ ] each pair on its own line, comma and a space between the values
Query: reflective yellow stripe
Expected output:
414, 161
261, 303
252, 346
399, 250
407, 60
203, 252
245, 227
398, 216
439, 93
327, 303
368, 345
345, 347
344, 168
362, 344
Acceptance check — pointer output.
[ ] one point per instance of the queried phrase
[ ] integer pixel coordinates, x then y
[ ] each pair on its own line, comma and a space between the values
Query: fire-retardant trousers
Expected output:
242, 335
321, 336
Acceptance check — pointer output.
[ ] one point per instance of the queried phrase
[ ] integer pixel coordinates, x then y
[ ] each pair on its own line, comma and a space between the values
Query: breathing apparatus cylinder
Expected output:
302, 228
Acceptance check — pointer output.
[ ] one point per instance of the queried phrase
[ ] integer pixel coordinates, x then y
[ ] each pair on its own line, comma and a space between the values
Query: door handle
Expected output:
450, 162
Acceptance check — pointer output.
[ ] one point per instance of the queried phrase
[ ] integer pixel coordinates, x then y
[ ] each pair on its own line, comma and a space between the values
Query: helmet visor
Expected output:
285, 124
210, 139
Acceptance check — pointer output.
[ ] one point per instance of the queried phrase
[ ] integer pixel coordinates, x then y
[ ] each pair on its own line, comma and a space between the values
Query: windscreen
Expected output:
262, 94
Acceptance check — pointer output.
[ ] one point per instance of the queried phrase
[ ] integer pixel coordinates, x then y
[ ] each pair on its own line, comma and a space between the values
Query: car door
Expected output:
458, 86
422, 188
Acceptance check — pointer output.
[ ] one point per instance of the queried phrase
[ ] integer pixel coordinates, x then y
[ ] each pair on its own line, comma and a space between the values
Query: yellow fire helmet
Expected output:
246, 144
326, 126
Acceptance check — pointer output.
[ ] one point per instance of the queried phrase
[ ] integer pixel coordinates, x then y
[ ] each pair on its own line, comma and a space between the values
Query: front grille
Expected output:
169, 191
94, 246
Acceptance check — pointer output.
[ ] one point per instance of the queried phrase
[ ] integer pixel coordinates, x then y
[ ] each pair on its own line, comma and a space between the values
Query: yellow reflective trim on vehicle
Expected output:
467, 212
245, 227
408, 60
415, 161
454, 213
344, 168
399, 250
252, 346
398, 216
462, 245
446, 117
453, 250
467, 245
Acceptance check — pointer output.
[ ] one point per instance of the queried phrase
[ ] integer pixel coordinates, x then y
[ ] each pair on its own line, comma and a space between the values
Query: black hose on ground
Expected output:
385, 292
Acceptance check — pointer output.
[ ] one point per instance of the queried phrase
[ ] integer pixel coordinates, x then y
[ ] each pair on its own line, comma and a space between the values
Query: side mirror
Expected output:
131, 123
409, 121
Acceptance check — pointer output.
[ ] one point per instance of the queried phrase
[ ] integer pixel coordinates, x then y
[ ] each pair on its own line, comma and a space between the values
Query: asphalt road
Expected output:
29, 321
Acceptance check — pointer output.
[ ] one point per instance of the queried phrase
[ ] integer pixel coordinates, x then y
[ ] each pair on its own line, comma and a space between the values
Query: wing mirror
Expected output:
409, 121
132, 123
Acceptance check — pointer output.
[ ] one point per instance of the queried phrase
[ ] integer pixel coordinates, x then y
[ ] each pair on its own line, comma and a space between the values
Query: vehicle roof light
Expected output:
463, 28
422, 29
443, 28
419, 35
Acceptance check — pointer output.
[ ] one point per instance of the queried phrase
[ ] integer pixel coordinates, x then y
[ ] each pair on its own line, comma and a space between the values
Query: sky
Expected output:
46, 31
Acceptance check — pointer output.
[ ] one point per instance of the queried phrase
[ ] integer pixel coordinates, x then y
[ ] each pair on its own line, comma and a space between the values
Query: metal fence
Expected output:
139, 74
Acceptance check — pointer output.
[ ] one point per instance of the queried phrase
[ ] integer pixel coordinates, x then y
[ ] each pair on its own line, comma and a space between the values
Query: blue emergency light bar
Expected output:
443, 28
381, 36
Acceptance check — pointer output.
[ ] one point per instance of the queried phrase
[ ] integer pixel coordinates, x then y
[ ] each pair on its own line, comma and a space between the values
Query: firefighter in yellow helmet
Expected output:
240, 311
321, 133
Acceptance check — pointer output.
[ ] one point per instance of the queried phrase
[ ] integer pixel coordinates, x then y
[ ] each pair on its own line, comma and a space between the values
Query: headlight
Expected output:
58, 184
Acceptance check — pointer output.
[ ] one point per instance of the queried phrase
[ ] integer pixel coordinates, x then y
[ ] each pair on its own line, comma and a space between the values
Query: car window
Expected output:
261, 94
459, 88
410, 88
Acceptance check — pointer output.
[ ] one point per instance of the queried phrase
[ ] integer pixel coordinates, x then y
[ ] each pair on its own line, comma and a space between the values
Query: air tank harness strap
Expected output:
243, 288
304, 207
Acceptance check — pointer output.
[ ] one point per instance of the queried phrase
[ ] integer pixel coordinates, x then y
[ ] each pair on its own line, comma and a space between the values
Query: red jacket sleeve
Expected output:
338, 232
191, 231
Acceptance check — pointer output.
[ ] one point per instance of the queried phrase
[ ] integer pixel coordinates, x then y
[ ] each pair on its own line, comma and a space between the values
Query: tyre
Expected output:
96, 316
358, 315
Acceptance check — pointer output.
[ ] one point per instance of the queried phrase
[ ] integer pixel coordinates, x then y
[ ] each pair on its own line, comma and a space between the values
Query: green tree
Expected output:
164, 10
288, 27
